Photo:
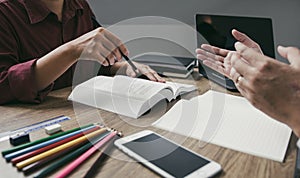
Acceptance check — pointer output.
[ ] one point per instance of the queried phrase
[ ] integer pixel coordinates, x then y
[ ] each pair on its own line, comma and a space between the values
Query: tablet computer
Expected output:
216, 30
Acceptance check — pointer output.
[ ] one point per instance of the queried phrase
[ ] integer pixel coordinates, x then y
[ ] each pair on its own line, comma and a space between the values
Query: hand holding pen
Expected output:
103, 46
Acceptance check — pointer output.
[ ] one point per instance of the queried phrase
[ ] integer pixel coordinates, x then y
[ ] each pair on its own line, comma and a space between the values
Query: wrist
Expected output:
71, 52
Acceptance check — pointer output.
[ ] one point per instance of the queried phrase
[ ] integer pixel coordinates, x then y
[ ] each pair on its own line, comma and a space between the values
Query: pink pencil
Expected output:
70, 167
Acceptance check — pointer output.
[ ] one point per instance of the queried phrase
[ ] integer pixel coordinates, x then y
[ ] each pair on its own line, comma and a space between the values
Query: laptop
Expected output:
216, 30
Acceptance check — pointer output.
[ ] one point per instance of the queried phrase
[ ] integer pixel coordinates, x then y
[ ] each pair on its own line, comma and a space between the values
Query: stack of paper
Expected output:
228, 121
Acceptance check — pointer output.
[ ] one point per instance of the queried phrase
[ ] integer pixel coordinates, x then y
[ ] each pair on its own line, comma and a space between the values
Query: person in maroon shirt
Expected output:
41, 41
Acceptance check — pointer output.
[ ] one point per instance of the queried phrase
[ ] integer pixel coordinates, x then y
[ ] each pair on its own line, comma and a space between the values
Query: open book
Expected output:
228, 121
124, 95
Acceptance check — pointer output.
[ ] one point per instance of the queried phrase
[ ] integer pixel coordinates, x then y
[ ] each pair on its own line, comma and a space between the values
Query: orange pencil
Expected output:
41, 150
79, 140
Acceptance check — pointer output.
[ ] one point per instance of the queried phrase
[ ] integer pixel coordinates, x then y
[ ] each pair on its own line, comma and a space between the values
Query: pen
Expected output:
129, 61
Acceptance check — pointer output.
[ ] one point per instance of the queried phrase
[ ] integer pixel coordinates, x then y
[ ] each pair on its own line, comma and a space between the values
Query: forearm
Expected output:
49, 67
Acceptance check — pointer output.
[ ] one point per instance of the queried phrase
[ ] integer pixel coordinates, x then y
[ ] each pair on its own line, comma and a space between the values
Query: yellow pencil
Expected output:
45, 154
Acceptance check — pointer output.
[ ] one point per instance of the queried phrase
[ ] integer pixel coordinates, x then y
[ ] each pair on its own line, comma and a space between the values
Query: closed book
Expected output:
171, 66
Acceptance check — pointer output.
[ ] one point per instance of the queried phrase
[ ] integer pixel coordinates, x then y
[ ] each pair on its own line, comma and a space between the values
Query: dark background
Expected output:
258, 29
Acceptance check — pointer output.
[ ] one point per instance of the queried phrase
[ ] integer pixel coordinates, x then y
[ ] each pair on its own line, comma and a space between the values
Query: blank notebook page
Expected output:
228, 121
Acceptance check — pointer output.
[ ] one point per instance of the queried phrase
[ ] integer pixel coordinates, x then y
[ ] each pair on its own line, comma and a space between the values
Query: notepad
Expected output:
126, 96
228, 121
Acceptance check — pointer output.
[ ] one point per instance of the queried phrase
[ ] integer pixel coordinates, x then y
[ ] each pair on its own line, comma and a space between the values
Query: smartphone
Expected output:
165, 157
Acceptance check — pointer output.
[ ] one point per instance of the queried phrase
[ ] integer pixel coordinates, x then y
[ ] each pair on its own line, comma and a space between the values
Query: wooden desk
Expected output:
234, 164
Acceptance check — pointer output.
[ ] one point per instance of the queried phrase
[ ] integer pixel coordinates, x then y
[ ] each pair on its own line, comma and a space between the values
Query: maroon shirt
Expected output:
28, 31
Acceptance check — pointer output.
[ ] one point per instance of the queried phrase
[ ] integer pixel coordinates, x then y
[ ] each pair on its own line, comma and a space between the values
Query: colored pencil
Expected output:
70, 167
48, 153
10, 156
43, 149
104, 154
5, 152
63, 155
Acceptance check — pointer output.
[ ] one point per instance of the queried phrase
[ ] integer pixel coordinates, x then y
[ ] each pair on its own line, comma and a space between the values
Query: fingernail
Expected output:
238, 45
280, 47
105, 63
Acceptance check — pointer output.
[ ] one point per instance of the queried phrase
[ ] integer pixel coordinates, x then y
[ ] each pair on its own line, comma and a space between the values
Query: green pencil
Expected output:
69, 157
5, 152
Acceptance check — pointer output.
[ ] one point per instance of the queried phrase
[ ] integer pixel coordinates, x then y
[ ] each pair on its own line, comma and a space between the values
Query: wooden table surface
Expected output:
234, 164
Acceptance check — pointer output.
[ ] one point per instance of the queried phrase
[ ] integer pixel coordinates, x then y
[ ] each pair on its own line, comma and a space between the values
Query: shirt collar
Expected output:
71, 7
37, 11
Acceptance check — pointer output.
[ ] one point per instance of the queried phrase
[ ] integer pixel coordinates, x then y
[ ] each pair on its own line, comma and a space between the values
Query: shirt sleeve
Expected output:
17, 79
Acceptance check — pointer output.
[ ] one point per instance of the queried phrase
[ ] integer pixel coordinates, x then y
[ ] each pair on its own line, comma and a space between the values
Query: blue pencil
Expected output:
10, 156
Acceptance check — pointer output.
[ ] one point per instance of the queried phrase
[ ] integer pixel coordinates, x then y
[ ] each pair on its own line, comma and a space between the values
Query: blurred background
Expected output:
285, 15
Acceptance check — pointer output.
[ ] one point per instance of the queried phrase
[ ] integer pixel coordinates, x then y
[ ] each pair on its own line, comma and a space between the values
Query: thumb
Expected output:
292, 54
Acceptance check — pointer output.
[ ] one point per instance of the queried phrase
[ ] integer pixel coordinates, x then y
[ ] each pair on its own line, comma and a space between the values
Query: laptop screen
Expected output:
216, 30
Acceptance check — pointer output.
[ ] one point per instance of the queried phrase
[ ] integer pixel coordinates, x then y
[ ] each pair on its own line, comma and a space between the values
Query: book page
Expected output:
125, 86
121, 94
137, 88
180, 88
228, 121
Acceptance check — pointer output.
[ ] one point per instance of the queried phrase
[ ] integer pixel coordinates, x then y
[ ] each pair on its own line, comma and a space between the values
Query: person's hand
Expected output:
123, 68
98, 45
270, 85
214, 57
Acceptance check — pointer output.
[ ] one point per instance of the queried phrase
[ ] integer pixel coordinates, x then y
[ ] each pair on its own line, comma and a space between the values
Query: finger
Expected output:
215, 50
234, 75
117, 42
159, 78
130, 72
250, 55
216, 67
102, 60
149, 76
111, 59
243, 38
240, 66
206, 54
111, 47
106, 53
292, 54
204, 58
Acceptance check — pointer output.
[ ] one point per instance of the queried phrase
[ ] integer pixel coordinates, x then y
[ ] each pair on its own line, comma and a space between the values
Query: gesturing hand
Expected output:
270, 85
214, 57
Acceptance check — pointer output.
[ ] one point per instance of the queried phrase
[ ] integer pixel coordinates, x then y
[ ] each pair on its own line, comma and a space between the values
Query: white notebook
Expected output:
125, 95
228, 121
